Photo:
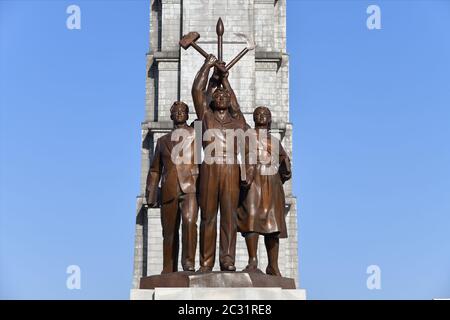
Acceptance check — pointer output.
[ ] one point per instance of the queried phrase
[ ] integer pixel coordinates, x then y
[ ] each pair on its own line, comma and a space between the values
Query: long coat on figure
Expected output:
262, 209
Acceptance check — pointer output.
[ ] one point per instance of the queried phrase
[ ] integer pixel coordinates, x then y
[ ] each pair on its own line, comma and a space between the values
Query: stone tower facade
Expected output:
260, 78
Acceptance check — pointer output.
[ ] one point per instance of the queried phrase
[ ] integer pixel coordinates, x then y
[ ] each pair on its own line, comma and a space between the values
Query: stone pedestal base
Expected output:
218, 294
215, 279
217, 286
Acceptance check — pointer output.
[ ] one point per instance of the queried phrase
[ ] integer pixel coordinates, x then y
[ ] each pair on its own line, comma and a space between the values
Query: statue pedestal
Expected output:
218, 294
217, 286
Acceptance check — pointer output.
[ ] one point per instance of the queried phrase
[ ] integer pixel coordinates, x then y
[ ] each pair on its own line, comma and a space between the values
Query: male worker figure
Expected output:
219, 178
178, 190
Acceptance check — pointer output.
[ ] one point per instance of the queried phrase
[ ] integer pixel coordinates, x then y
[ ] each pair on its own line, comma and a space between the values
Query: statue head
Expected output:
179, 112
221, 98
262, 117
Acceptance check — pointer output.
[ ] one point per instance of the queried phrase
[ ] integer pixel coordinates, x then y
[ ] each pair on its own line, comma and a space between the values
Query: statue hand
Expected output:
246, 183
153, 204
218, 75
151, 201
248, 179
210, 60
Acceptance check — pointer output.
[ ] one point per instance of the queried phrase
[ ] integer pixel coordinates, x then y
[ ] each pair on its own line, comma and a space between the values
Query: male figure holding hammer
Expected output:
219, 179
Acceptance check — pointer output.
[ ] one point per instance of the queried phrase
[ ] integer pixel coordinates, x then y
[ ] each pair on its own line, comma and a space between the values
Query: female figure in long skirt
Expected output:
262, 209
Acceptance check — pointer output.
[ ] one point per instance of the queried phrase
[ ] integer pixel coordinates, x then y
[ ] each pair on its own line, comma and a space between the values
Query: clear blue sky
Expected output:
371, 115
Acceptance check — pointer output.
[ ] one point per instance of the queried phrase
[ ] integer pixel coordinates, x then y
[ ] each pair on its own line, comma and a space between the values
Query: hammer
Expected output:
189, 39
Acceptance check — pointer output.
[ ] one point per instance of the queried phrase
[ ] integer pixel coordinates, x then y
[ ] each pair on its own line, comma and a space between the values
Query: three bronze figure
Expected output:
243, 178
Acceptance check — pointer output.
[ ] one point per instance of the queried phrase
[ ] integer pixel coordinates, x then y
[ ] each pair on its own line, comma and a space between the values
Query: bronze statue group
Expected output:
250, 197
